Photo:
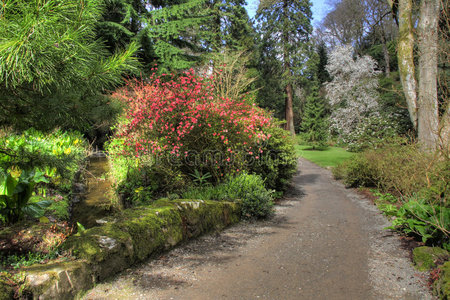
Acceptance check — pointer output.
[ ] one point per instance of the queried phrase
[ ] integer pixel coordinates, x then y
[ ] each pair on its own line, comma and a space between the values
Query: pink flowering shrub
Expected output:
177, 121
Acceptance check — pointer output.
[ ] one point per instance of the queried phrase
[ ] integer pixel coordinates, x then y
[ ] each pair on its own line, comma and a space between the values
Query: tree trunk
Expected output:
444, 131
406, 57
387, 70
289, 110
428, 115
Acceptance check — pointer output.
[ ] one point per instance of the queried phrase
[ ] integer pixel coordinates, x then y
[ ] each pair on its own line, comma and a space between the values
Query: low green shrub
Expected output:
400, 169
278, 162
357, 172
146, 183
419, 217
256, 201
418, 184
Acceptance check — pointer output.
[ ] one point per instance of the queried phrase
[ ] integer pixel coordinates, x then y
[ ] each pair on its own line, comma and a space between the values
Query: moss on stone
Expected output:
60, 280
441, 287
425, 258
140, 232
151, 228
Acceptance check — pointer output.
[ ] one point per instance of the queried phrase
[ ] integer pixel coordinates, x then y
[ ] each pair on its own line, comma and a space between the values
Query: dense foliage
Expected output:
33, 159
256, 201
285, 28
315, 121
420, 205
176, 132
192, 128
51, 63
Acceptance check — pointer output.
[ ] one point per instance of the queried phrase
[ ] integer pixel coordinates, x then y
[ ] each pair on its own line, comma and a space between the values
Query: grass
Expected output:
330, 157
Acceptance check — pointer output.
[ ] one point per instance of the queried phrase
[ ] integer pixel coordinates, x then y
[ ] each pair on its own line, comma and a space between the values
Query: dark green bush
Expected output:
256, 200
146, 183
357, 172
278, 162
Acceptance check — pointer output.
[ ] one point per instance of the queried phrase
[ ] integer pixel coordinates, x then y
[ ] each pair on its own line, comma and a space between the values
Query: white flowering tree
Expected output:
352, 93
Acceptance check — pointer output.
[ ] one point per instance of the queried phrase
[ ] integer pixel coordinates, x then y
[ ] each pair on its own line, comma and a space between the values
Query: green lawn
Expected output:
330, 157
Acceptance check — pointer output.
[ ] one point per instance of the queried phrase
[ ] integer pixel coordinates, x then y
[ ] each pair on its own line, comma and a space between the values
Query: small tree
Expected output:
353, 91
315, 121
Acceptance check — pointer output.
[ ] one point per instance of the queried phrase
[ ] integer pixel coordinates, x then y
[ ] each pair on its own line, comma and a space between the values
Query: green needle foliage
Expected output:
285, 28
315, 122
48, 49
170, 31
228, 26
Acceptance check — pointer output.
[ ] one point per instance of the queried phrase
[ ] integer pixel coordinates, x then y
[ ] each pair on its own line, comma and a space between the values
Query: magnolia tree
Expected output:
352, 92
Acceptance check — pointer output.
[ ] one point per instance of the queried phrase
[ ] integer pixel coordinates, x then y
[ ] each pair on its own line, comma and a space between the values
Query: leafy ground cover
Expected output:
37, 171
412, 187
329, 157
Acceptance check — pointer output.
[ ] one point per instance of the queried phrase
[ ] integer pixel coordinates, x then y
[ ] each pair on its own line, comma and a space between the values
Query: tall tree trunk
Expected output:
387, 70
406, 57
289, 111
428, 115
444, 131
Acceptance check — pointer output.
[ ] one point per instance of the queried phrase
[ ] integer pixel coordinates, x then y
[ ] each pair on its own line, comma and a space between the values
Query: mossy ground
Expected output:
426, 258
441, 287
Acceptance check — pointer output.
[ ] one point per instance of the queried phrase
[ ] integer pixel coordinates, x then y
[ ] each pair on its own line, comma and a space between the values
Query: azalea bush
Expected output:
178, 123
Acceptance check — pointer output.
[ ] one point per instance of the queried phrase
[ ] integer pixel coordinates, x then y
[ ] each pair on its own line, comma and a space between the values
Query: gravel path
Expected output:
325, 242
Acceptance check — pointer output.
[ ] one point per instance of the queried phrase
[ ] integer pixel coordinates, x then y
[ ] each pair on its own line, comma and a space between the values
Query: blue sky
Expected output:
319, 9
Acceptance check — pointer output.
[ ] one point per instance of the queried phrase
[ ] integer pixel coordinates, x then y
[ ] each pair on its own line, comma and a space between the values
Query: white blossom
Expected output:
353, 91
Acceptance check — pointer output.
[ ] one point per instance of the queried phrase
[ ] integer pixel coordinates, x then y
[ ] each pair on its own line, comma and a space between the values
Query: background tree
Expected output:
322, 73
362, 24
315, 125
422, 96
228, 26
353, 91
285, 26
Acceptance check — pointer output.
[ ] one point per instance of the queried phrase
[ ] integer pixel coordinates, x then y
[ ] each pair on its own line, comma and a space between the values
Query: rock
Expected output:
107, 242
62, 280
134, 235
78, 188
426, 258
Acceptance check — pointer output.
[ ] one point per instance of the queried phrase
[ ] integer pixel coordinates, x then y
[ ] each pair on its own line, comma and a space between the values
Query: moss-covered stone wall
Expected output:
126, 238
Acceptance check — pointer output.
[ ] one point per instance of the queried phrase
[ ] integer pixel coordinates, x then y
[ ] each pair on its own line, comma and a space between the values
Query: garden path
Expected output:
325, 242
